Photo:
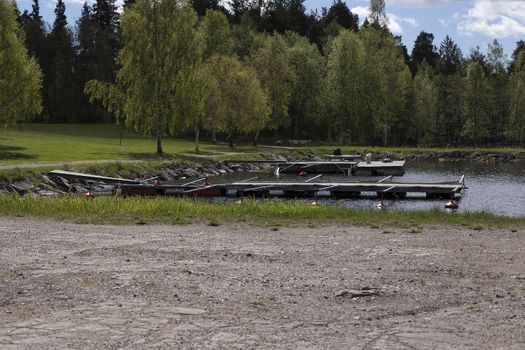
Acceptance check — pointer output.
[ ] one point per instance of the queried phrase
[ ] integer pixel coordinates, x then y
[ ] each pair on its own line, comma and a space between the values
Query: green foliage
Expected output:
125, 210
112, 97
237, 103
60, 75
343, 86
307, 64
20, 76
320, 83
271, 62
216, 33
378, 16
160, 49
425, 103
394, 83
517, 101
476, 108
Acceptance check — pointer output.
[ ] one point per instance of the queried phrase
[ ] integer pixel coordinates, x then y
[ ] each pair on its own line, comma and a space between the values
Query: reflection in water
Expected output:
493, 187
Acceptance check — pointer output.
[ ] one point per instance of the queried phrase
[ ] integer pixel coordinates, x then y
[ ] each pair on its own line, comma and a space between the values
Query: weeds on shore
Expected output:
176, 210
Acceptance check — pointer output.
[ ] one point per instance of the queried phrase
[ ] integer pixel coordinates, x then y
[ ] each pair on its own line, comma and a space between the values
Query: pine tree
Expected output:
106, 22
450, 57
520, 46
201, 6
424, 50
85, 66
449, 121
36, 44
340, 13
60, 75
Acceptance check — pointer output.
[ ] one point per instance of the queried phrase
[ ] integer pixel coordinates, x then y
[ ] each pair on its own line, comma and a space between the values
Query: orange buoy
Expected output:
303, 173
452, 205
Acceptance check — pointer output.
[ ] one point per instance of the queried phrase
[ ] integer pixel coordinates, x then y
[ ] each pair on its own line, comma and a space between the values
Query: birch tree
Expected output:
160, 46
517, 101
20, 76
238, 103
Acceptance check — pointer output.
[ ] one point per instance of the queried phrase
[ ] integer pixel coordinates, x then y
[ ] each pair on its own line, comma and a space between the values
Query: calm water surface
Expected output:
493, 187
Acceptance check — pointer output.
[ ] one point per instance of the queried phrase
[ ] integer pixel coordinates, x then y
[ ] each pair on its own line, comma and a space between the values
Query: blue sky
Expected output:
468, 22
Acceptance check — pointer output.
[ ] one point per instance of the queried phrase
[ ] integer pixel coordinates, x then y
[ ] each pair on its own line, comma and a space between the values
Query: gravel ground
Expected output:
238, 286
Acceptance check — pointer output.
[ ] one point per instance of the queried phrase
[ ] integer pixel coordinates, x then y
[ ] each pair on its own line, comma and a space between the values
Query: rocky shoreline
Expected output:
171, 171
50, 185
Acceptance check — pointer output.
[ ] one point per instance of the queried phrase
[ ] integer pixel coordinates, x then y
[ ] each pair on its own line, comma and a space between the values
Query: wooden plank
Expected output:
386, 178
389, 189
250, 179
71, 174
313, 178
194, 181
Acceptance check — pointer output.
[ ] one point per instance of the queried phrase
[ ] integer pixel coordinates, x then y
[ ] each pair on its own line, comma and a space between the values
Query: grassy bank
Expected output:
62, 143
114, 169
50, 143
328, 149
176, 211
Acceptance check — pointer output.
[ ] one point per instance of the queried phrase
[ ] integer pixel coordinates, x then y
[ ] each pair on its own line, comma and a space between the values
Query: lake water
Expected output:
493, 187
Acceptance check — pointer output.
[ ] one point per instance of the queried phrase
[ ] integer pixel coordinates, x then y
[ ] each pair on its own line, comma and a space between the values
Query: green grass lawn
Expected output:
53, 143
47, 143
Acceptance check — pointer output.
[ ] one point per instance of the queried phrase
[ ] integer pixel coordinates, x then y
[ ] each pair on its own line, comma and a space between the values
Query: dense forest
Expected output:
269, 67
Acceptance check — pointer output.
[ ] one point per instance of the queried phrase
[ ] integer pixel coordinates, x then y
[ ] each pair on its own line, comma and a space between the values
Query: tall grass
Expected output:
161, 209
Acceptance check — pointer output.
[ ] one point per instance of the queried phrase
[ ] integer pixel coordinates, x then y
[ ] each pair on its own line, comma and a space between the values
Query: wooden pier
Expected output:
382, 188
395, 168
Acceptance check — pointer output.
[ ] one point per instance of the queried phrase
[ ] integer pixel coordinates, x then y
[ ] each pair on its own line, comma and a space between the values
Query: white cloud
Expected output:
444, 22
494, 19
394, 21
415, 3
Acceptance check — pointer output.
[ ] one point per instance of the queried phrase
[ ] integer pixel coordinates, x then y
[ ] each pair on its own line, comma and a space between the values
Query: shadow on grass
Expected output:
149, 156
11, 153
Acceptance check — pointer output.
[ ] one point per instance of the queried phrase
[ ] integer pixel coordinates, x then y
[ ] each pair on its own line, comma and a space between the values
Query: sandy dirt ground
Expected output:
237, 286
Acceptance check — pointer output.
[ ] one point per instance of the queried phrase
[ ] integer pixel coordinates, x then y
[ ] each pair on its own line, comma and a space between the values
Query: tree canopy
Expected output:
20, 76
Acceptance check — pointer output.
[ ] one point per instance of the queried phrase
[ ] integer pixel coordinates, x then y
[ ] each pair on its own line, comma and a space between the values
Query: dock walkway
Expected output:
300, 189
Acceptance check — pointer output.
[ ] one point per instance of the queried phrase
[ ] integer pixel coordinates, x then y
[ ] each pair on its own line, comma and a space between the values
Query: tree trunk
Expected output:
230, 139
214, 137
296, 128
256, 138
197, 132
159, 141
385, 136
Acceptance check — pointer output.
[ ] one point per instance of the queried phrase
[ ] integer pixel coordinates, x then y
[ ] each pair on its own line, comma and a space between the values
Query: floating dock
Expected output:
383, 188
395, 168
336, 165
